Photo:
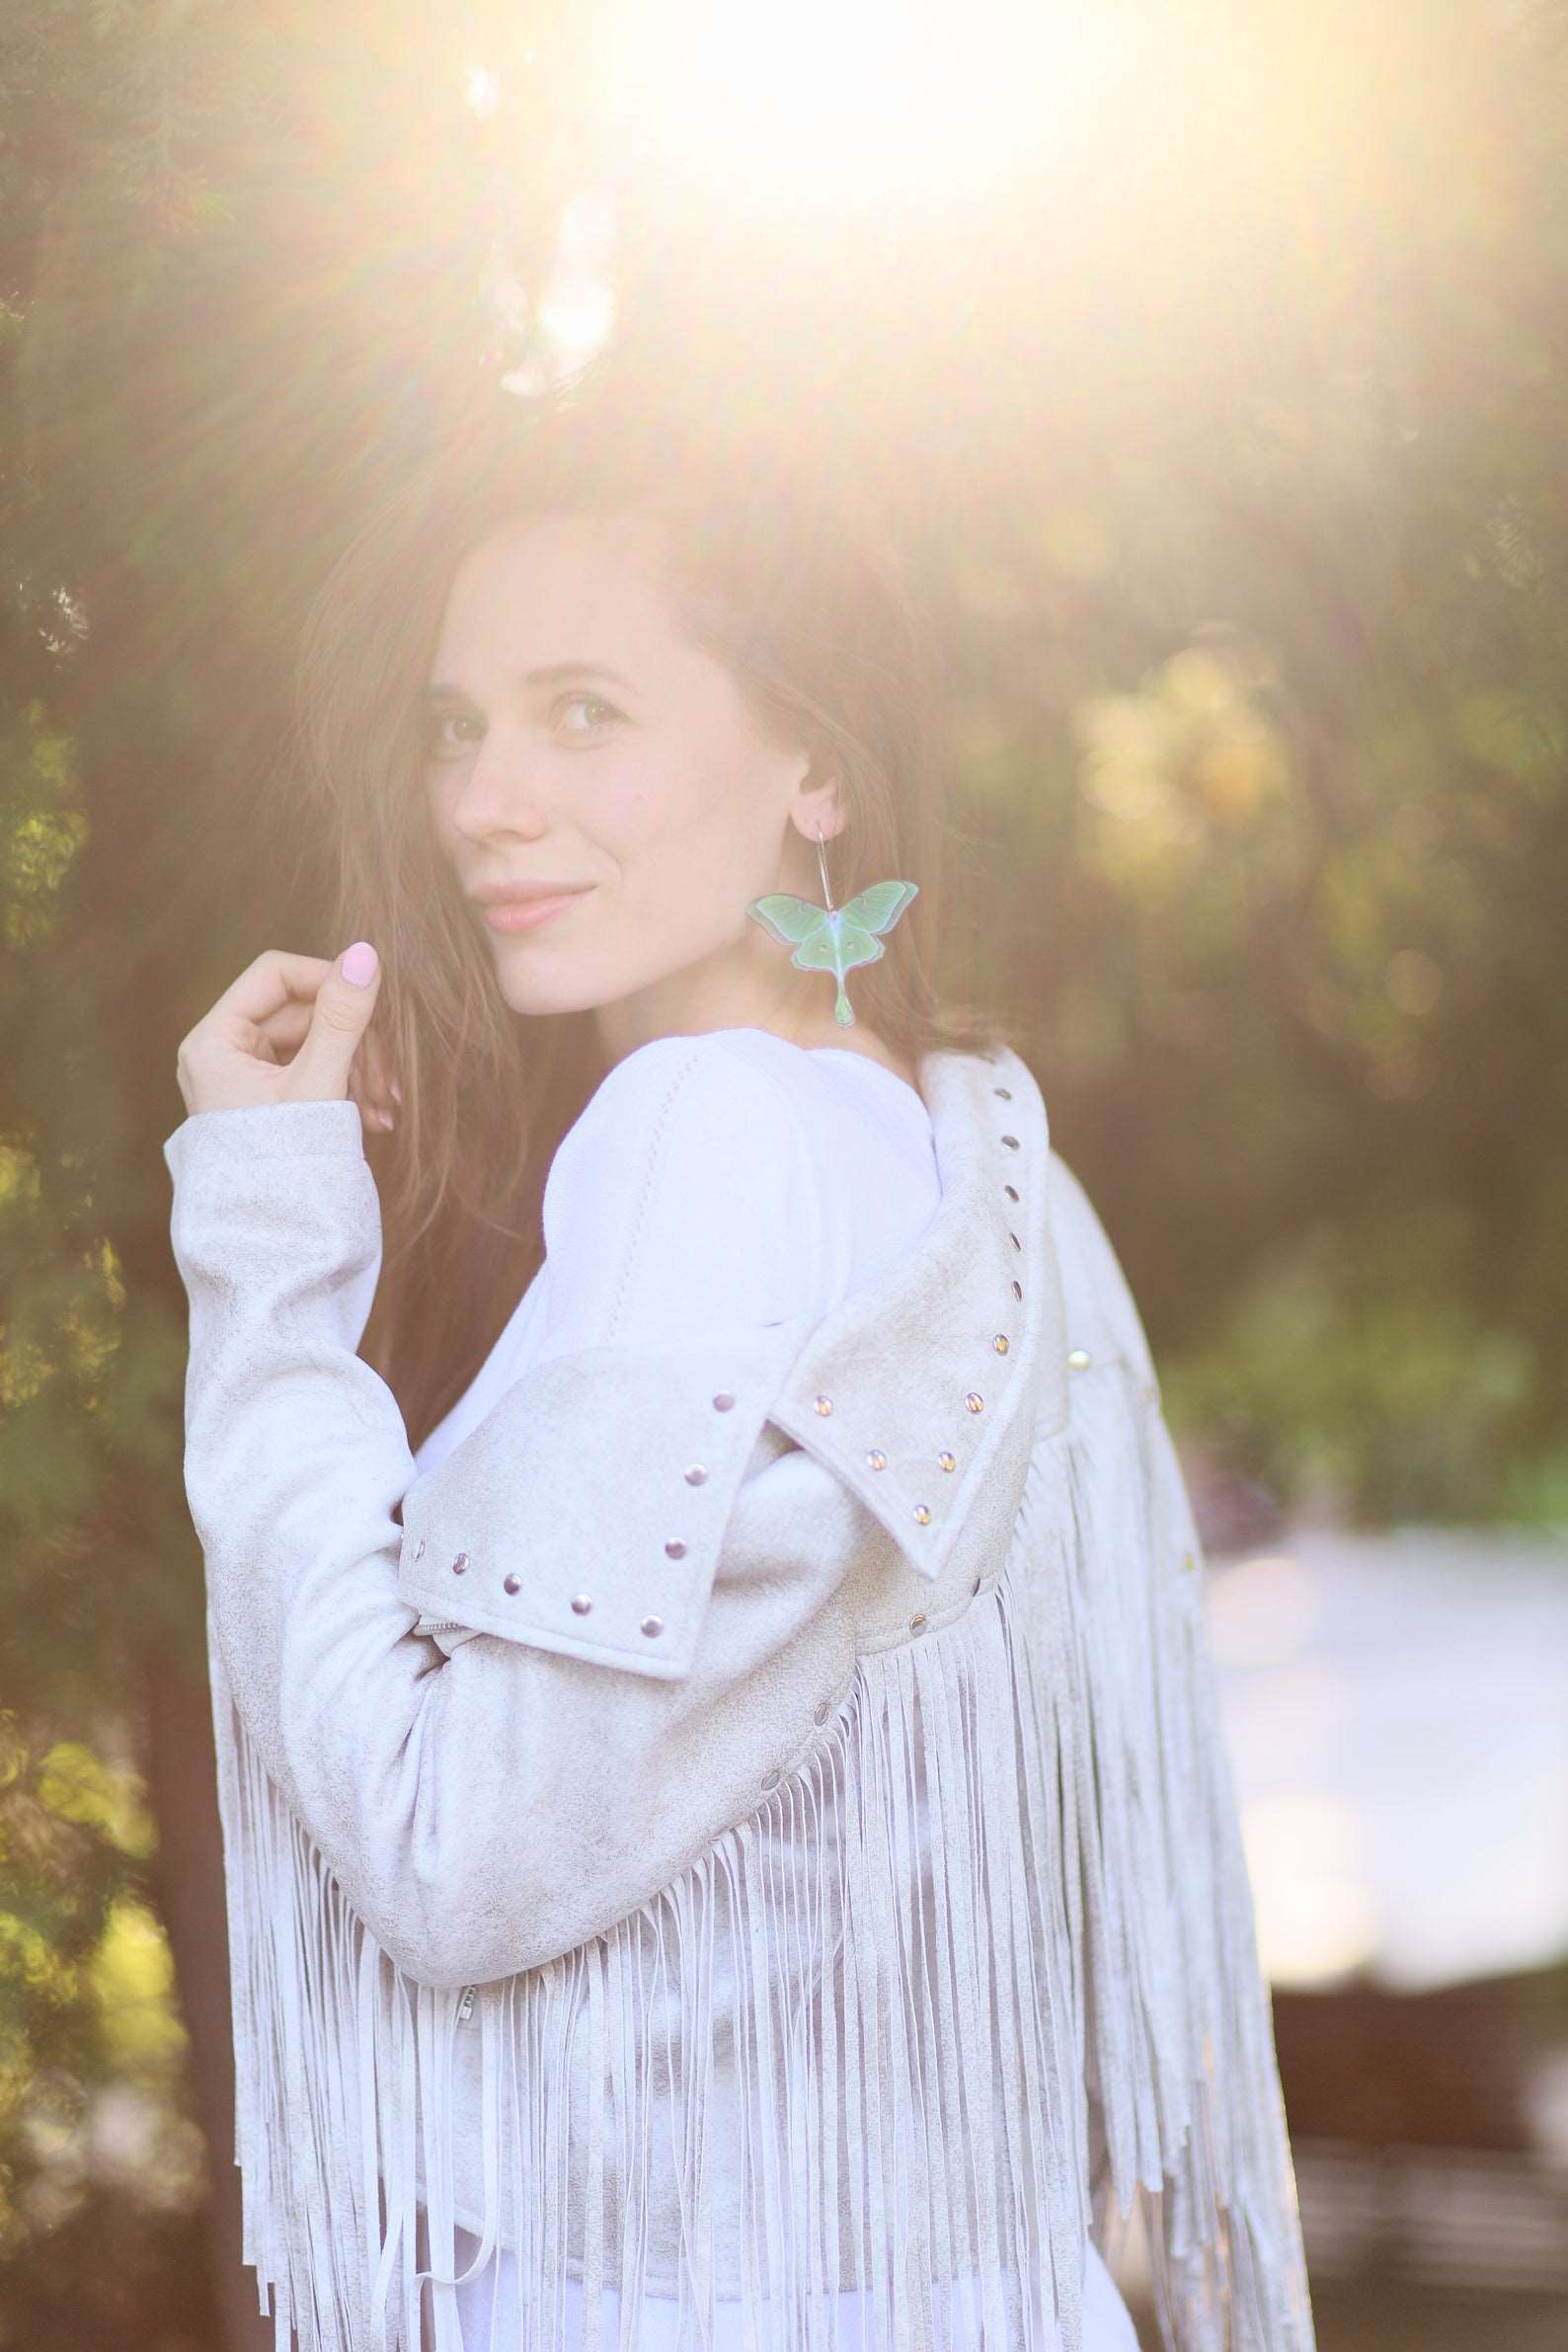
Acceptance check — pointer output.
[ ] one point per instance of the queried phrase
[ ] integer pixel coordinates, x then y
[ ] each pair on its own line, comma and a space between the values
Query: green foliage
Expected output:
1351, 1370
92, 2052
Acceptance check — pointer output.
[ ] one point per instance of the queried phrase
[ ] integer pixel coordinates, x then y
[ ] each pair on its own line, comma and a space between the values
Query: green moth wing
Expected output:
834, 939
878, 905
788, 919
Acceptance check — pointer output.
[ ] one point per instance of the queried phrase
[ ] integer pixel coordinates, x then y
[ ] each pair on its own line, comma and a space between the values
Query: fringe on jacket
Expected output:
999, 1932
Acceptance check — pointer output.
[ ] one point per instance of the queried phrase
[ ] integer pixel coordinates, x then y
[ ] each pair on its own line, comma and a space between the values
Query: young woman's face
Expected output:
575, 738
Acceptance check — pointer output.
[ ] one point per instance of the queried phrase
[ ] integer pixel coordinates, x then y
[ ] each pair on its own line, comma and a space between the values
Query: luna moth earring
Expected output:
832, 938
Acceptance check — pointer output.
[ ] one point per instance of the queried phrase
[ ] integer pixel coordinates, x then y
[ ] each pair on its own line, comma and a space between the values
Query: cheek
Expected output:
647, 822
440, 791
690, 814
679, 855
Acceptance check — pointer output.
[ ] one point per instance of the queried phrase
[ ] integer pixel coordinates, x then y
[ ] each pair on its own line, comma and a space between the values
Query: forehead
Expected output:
534, 586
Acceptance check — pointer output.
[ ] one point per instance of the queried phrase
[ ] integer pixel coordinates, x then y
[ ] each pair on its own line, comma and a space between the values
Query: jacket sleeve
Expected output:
488, 1810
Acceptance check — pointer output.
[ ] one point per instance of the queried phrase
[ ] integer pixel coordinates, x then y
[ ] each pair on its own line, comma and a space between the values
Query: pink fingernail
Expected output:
359, 963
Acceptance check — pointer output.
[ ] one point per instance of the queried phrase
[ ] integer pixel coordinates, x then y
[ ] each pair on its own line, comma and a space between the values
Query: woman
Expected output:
727, 1832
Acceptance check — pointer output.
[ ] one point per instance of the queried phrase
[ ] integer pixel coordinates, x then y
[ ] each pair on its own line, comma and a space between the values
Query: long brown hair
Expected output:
791, 576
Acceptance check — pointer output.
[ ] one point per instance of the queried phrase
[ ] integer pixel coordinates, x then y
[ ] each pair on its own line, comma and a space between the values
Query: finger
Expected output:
381, 1079
282, 1032
367, 1086
290, 1020
279, 1037
289, 1024
370, 1082
270, 984
340, 1025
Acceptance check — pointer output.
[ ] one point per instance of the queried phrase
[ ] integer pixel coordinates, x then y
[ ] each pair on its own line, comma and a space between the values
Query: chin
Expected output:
532, 985
535, 996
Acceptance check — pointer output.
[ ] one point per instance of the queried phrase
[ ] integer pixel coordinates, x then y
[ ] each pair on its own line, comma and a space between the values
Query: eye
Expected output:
567, 700
438, 720
444, 746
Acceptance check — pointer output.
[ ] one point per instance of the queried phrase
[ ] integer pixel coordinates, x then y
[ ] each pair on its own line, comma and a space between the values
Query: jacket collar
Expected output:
905, 1389
907, 1386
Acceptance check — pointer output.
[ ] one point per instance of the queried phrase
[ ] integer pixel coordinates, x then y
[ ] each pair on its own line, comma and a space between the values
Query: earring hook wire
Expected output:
822, 860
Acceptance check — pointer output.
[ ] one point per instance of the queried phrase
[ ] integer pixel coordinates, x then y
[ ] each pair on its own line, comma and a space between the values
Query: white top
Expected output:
646, 1237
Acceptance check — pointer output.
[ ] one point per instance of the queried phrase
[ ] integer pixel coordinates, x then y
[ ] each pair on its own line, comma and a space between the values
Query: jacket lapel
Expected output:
905, 1388
909, 1385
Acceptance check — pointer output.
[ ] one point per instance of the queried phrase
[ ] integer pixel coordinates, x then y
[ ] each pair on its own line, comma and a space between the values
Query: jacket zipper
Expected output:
465, 2008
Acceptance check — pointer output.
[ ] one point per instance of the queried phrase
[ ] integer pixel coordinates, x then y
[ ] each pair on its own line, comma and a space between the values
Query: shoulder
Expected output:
689, 1118
713, 1080
690, 1189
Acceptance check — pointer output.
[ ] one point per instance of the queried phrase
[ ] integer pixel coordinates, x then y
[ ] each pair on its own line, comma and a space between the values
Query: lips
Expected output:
526, 913
524, 894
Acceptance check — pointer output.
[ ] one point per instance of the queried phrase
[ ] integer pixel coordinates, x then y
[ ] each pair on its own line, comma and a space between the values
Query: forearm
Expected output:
295, 1460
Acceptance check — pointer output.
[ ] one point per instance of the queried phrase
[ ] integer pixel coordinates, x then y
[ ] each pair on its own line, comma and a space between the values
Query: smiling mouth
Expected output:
526, 914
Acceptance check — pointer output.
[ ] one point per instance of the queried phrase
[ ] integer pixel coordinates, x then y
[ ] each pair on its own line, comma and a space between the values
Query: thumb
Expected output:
343, 1010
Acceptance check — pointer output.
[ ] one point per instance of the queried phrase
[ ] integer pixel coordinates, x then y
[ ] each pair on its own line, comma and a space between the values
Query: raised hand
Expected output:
291, 1029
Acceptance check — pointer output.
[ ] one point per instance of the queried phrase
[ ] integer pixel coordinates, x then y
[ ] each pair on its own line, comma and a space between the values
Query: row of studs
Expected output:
582, 1603
878, 1461
973, 1399
1079, 1358
651, 1627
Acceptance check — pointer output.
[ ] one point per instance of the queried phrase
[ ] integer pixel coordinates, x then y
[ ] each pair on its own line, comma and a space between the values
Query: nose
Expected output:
495, 792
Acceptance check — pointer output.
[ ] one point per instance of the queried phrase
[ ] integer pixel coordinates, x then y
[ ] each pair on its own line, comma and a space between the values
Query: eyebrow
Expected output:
546, 674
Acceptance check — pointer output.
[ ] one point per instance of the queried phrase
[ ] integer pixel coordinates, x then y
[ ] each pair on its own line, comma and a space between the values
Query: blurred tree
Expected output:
1233, 434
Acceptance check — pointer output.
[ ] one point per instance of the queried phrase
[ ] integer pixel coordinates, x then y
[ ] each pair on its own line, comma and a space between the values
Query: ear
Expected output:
819, 803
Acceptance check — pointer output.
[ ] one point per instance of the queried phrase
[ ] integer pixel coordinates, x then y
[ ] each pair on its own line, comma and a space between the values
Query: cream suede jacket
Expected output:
753, 1821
